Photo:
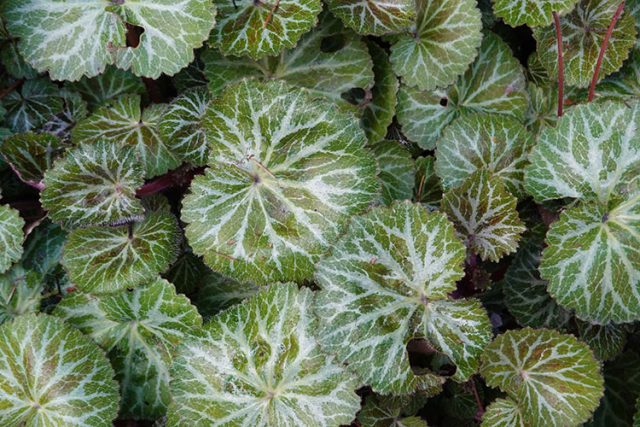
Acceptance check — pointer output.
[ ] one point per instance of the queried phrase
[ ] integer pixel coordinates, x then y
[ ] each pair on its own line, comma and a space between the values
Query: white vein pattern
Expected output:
30, 154
554, 378
93, 184
11, 236
287, 170
374, 17
20, 293
52, 375
110, 84
75, 38
140, 330
258, 364
385, 283
397, 170
108, 259
37, 101
534, 13
503, 413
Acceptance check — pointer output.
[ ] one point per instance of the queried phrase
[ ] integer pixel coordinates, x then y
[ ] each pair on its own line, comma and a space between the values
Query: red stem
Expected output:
603, 48
556, 20
474, 390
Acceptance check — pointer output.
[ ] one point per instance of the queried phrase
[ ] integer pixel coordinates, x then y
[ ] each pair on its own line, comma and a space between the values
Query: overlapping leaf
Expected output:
606, 341
493, 84
33, 104
43, 248
258, 364
287, 171
20, 293
30, 154
428, 187
553, 377
503, 413
534, 13
53, 375
397, 170
442, 45
11, 236
140, 330
381, 108
543, 108
386, 283
110, 84
375, 17
93, 184
109, 259
385, 411
75, 39
625, 84
220, 292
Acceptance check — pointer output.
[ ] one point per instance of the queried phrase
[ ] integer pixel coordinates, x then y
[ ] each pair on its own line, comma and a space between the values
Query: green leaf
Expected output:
121, 121
74, 39
606, 341
485, 215
181, 126
428, 187
592, 154
374, 17
188, 273
496, 143
379, 111
109, 85
386, 283
534, 13
582, 33
93, 184
397, 170
493, 84
14, 63
52, 375
258, 364
441, 46
11, 236
32, 105
288, 171
625, 84
592, 261
392, 411
543, 108
108, 259
220, 292
20, 293
503, 413
43, 248
74, 109
554, 377
30, 155
140, 330
261, 28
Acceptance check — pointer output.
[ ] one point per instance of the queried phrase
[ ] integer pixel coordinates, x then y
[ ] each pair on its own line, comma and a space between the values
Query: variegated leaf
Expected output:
258, 364
428, 187
11, 236
140, 330
109, 259
553, 377
583, 31
503, 413
543, 108
14, 63
287, 170
121, 121
30, 154
93, 184
52, 375
110, 84
496, 143
534, 13
32, 105
606, 341
493, 84
20, 293
392, 411
385, 283
625, 84
441, 46
263, 27
397, 170
219, 292
43, 248
374, 17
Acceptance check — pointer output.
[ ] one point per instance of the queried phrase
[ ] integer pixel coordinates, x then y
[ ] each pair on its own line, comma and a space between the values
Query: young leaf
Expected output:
287, 171
485, 215
109, 85
31, 154
374, 17
259, 28
397, 170
428, 187
554, 377
543, 108
493, 84
534, 13
53, 375
492, 142
20, 293
140, 330
11, 236
386, 283
109, 259
94, 184
503, 413
121, 121
582, 33
32, 105
71, 40
392, 411
442, 45
258, 364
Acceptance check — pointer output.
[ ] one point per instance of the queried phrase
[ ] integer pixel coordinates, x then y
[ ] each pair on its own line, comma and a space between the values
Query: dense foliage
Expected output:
294, 213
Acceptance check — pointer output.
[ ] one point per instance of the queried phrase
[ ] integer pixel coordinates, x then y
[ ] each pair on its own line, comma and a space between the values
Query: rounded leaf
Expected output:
374, 17
397, 170
503, 413
11, 236
31, 154
534, 13
35, 102
20, 293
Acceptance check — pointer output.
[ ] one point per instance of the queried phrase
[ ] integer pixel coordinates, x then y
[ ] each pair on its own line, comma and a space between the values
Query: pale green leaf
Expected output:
583, 31
494, 84
108, 259
428, 187
374, 17
262, 28
503, 413
534, 13
606, 341
392, 411
397, 170
11, 236
496, 143
52, 375
441, 46
385, 283
109, 85
30, 154
93, 184
122, 121
258, 364
20, 293
140, 330
35, 102
287, 172
553, 377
